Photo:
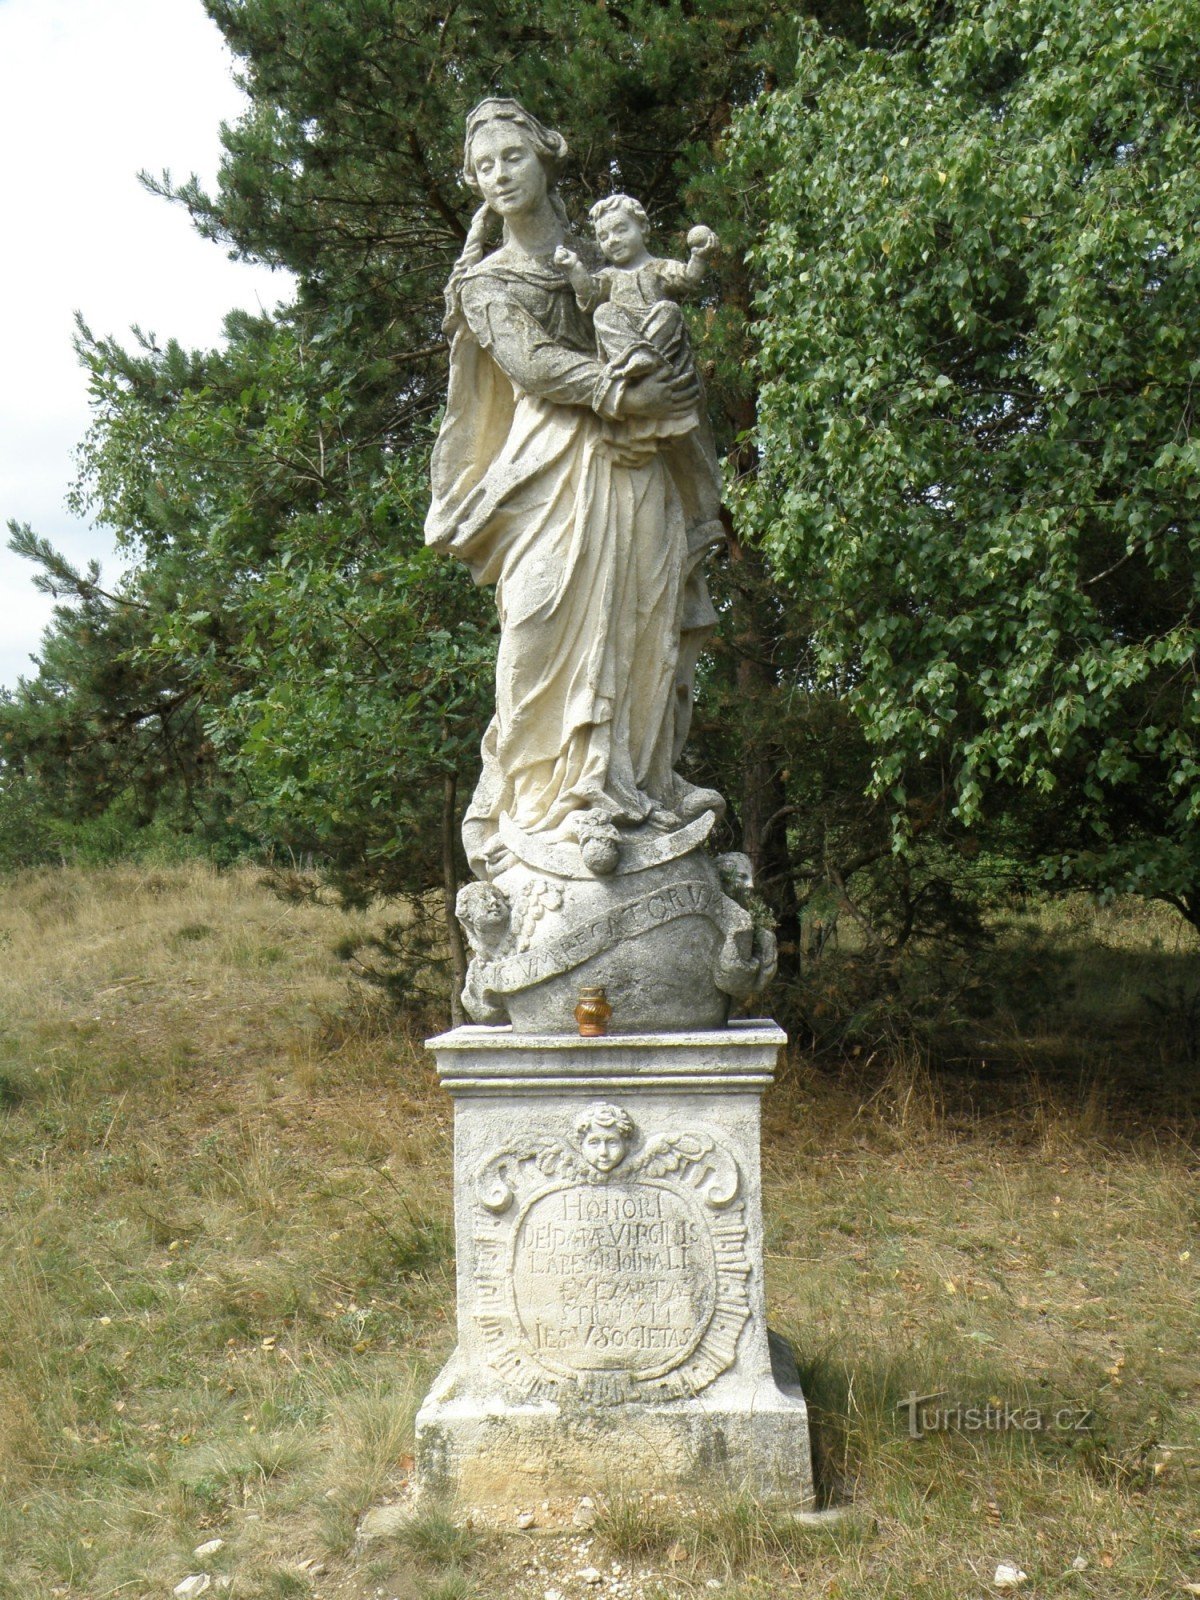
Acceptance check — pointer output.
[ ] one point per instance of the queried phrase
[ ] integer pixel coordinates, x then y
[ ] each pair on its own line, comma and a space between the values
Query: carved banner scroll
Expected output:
610, 1266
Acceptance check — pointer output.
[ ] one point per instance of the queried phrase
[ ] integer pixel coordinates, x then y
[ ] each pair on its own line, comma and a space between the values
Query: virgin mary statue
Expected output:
549, 483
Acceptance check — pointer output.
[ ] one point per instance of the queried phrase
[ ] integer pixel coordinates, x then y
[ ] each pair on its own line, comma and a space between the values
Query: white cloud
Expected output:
89, 95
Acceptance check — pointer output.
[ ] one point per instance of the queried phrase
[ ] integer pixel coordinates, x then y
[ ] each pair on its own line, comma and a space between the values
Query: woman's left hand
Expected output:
661, 398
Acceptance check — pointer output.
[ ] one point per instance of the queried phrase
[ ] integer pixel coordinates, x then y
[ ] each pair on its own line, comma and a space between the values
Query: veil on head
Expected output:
479, 402
548, 145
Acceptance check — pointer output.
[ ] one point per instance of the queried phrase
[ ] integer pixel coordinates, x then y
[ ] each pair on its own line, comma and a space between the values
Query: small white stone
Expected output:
208, 1548
554, 1594
526, 1519
199, 1583
713, 1583
1009, 1576
585, 1512
1080, 1564
381, 1522
589, 1575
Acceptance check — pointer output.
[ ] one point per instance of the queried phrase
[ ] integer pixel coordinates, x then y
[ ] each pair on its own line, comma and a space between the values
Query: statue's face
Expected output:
741, 873
493, 909
603, 1148
509, 173
620, 237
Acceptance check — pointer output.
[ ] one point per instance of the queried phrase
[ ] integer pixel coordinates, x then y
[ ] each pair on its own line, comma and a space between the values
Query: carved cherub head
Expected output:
484, 913
621, 226
737, 875
604, 1133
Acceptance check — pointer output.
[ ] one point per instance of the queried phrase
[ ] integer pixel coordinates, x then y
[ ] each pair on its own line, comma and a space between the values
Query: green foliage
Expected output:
271, 494
33, 832
979, 325
341, 665
958, 604
104, 741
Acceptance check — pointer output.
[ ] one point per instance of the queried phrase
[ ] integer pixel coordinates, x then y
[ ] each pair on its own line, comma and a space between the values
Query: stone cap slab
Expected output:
734, 1059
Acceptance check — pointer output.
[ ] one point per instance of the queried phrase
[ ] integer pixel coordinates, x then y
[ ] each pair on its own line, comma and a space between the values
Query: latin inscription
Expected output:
620, 1277
615, 1262
694, 897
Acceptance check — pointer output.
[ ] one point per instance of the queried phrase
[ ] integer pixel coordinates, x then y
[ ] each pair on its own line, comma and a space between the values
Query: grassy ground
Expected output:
226, 1279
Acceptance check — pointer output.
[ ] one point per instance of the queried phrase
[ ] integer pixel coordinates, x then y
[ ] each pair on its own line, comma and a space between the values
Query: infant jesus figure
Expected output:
639, 328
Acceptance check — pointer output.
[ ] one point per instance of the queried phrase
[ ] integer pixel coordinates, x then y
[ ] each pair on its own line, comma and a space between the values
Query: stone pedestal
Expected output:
611, 1321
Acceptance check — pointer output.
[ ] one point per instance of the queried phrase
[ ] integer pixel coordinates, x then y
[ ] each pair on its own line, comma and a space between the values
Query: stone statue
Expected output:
575, 471
612, 1321
639, 328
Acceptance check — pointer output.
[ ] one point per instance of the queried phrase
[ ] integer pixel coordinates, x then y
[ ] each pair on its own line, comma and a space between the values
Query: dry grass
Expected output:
226, 1278
225, 1247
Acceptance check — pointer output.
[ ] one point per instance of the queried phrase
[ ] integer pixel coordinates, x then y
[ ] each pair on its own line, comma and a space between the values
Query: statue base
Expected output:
666, 929
612, 1327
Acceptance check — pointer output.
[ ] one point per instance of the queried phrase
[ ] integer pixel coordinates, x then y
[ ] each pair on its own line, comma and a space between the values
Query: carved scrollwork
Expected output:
610, 1263
499, 1177
698, 1161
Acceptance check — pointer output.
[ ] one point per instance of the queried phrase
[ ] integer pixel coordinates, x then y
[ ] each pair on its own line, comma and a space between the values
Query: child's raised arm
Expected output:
702, 243
589, 291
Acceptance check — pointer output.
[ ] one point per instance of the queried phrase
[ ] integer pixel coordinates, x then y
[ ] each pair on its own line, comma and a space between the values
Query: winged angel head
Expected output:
604, 1132
604, 1136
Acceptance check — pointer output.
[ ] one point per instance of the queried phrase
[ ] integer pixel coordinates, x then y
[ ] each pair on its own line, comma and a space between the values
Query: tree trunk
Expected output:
763, 796
454, 937
763, 791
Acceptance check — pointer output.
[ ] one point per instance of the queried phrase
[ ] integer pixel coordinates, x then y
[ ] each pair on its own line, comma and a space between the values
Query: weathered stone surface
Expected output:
381, 1522
575, 471
830, 1517
611, 1324
612, 1327
667, 933
585, 1512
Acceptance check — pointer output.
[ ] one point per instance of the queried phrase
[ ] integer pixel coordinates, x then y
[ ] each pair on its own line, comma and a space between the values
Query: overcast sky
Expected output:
91, 92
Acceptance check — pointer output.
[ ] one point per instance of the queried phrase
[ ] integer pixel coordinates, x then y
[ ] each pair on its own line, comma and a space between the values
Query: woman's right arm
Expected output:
534, 361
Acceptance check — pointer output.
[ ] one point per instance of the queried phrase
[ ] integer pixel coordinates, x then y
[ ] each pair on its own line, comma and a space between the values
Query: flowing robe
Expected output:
594, 546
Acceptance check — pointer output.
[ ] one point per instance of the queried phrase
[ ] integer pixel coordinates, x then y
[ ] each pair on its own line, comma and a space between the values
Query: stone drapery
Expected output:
593, 535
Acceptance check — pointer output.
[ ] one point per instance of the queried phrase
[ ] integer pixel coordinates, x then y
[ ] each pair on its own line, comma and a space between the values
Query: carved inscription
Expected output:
621, 1282
692, 897
619, 1278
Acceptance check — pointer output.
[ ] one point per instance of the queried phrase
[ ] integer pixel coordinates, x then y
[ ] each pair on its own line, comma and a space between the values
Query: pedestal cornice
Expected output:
489, 1060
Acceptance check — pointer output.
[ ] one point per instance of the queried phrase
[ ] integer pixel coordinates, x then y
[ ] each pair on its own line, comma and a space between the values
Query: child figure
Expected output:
639, 327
